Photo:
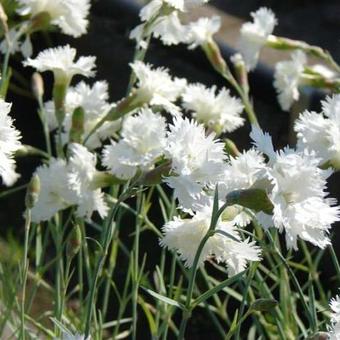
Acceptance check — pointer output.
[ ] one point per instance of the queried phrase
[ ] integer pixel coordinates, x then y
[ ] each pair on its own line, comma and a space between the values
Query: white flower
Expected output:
185, 235
69, 15
60, 61
320, 132
152, 9
156, 87
197, 159
202, 31
143, 141
243, 172
298, 193
55, 193
82, 171
287, 77
94, 101
169, 29
9, 144
334, 329
254, 35
221, 111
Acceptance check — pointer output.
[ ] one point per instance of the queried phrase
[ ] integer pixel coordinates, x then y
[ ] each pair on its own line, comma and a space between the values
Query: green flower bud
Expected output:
254, 199
263, 305
39, 22
74, 241
37, 84
77, 128
3, 19
32, 193
213, 53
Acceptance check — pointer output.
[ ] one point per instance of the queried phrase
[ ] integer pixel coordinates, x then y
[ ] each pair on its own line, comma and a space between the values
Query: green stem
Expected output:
335, 260
295, 281
101, 260
24, 273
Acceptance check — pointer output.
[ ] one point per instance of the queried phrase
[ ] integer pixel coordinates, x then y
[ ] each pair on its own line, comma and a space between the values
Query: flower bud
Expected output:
3, 19
263, 305
103, 179
74, 241
241, 71
254, 199
320, 336
126, 105
77, 128
59, 97
37, 84
32, 193
231, 212
213, 53
154, 177
231, 148
39, 22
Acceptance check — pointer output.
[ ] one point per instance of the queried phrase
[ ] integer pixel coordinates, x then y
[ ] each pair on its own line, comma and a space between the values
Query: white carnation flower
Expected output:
69, 15
242, 172
197, 159
202, 31
334, 328
143, 141
156, 87
9, 144
152, 9
298, 193
254, 35
169, 29
320, 132
82, 171
185, 235
287, 78
221, 111
60, 61
55, 193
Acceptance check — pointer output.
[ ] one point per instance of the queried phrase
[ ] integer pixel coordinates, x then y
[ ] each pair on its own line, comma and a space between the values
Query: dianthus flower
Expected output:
320, 132
220, 112
297, 190
254, 35
143, 141
197, 161
185, 235
69, 15
287, 77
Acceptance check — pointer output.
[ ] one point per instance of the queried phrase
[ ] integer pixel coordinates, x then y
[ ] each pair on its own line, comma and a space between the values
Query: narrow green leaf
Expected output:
216, 289
149, 317
164, 298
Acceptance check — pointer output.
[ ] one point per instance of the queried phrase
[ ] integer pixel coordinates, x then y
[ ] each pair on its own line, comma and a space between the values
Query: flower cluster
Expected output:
161, 19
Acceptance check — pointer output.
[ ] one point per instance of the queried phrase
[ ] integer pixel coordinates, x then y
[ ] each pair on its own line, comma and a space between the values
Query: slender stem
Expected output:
248, 107
187, 313
335, 260
42, 116
101, 260
135, 274
244, 300
24, 272
59, 270
294, 279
